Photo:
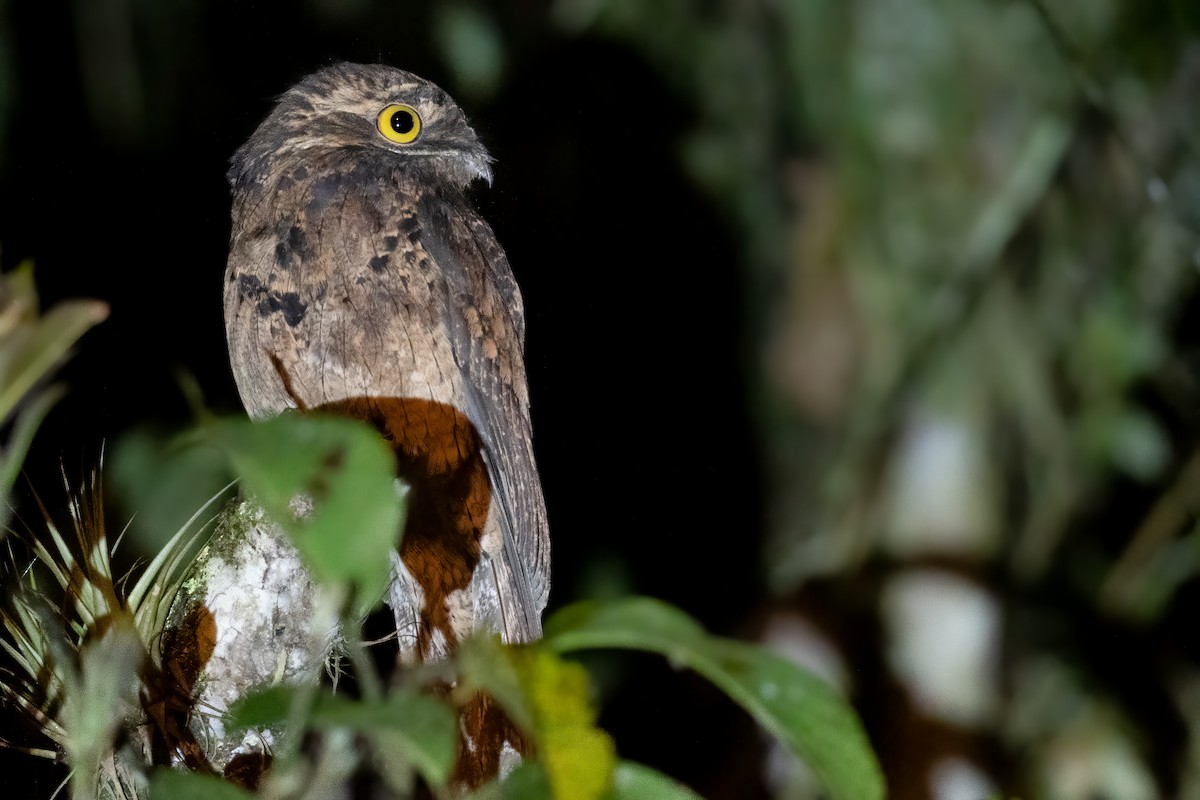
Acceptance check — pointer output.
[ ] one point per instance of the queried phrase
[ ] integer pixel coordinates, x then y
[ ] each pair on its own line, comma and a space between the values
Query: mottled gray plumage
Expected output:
360, 281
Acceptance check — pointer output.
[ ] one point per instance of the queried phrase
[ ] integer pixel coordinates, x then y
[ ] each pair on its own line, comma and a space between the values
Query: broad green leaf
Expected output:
340, 465
801, 710
171, 784
793, 704
348, 473
578, 757
420, 729
634, 623
633, 781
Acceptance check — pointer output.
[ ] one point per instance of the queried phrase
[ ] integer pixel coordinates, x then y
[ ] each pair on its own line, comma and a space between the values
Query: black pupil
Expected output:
403, 122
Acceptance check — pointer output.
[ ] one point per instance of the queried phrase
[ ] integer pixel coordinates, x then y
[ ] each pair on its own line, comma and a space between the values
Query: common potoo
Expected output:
361, 282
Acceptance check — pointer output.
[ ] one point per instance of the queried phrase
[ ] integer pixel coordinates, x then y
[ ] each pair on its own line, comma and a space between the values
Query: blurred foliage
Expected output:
972, 237
472, 46
31, 345
8, 82
133, 58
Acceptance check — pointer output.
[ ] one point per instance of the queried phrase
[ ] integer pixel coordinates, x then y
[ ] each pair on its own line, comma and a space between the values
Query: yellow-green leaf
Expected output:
578, 757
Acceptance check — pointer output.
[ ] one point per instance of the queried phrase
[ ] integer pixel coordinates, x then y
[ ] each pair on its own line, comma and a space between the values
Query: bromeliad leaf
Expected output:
796, 706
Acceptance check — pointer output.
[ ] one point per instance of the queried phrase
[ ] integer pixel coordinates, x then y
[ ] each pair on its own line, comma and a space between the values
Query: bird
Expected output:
362, 282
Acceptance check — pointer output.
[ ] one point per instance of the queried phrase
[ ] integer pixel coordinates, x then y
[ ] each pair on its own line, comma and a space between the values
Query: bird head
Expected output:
347, 109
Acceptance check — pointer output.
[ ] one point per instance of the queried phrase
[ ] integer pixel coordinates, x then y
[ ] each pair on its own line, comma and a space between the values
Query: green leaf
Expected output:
349, 474
265, 708
99, 698
633, 781
635, 623
801, 710
161, 482
527, 782
170, 784
24, 427
484, 665
30, 345
420, 729
793, 704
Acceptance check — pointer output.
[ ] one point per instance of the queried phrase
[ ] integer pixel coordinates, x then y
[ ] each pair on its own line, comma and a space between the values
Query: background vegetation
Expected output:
845, 316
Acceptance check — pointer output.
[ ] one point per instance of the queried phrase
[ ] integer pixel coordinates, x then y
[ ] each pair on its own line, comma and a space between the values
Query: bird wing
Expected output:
487, 331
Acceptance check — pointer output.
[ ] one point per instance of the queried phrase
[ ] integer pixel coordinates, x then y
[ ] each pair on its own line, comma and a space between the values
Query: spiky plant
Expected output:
89, 671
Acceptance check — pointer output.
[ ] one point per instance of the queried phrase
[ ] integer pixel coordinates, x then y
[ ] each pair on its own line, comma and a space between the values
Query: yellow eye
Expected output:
399, 123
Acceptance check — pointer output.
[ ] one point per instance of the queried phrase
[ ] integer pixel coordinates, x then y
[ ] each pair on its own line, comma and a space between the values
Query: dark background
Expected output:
739, 231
